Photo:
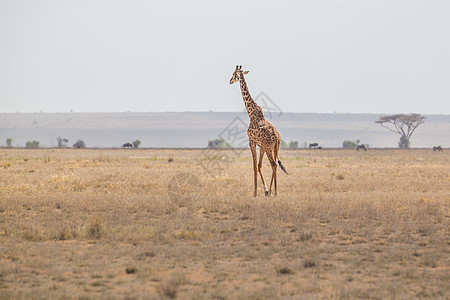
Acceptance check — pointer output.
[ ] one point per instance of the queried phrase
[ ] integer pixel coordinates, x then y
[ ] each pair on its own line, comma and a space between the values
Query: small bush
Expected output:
136, 143
293, 144
290, 145
219, 143
32, 145
79, 144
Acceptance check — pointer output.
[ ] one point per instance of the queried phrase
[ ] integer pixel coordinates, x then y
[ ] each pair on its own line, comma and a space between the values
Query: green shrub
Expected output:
349, 145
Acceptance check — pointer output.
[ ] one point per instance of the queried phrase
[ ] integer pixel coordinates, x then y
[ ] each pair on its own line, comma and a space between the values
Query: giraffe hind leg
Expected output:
274, 171
261, 156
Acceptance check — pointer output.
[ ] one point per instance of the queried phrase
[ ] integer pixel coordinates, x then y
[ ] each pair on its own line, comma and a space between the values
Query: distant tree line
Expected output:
62, 143
402, 124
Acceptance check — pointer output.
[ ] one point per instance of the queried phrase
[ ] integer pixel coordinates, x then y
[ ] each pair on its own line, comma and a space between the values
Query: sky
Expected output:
339, 56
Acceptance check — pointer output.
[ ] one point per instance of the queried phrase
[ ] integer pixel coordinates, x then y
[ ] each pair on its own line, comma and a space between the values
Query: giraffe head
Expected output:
237, 74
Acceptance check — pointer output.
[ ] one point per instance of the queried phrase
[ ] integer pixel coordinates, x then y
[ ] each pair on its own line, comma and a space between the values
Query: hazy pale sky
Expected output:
307, 56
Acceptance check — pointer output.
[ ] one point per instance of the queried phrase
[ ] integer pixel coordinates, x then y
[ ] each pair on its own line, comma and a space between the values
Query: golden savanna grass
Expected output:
129, 224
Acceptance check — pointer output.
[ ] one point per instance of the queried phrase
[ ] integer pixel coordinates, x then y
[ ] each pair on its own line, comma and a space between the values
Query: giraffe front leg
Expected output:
255, 171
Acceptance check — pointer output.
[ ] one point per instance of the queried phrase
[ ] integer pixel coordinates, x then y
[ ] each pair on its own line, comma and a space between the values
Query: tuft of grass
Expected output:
309, 263
65, 234
97, 283
170, 288
32, 234
96, 228
284, 271
146, 254
340, 177
305, 236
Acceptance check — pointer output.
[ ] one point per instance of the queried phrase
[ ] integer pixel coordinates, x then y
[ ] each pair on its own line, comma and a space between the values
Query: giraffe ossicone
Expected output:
260, 133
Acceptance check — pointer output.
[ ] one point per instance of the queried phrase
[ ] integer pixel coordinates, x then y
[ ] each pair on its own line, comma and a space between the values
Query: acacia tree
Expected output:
62, 142
403, 124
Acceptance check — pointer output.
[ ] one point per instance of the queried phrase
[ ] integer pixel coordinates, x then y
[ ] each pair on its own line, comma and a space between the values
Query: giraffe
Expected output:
260, 132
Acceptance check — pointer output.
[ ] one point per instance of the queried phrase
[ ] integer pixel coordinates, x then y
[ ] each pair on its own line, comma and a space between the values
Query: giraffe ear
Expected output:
246, 72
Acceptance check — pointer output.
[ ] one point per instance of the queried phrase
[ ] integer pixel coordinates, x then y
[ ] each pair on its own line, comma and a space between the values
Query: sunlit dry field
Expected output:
123, 223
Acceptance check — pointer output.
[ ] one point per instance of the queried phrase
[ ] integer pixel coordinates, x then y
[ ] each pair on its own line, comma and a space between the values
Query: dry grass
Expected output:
129, 224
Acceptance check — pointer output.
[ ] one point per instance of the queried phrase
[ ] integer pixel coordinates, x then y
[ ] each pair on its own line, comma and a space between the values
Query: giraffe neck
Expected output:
252, 108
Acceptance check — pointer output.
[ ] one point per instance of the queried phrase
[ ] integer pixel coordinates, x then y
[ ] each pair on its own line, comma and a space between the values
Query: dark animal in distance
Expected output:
362, 146
170, 159
438, 148
127, 145
314, 146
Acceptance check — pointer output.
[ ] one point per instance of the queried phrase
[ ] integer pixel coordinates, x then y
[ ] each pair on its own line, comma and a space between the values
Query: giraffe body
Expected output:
260, 133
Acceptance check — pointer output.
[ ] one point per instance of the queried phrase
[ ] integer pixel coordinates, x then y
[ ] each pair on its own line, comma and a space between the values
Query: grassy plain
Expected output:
129, 224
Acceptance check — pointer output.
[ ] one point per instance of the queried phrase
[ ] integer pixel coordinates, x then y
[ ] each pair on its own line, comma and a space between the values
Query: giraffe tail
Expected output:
282, 167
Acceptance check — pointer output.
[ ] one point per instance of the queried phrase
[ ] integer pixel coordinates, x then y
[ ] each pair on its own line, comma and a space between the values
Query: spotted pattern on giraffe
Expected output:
260, 132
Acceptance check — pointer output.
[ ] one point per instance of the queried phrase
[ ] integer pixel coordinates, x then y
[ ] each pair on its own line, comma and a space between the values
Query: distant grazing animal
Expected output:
127, 145
438, 148
314, 146
170, 159
260, 132
362, 146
